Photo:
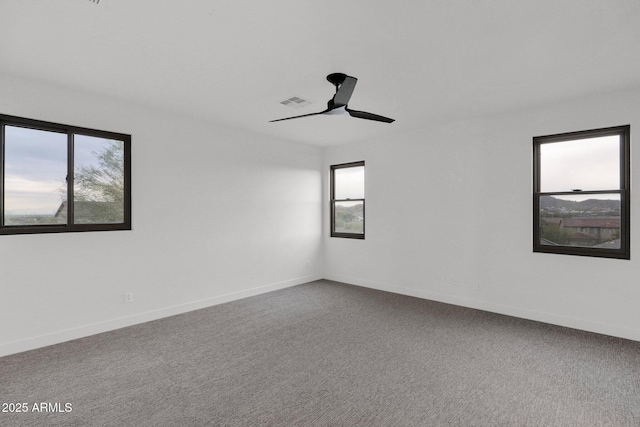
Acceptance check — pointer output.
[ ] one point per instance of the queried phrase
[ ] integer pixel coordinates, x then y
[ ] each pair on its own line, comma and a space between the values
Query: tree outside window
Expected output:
44, 165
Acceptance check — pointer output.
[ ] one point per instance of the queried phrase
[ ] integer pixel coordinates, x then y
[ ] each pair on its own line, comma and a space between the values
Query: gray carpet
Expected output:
329, 354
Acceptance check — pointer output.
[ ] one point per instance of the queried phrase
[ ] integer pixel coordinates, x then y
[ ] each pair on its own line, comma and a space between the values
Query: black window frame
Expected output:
624, 132
70, 131
333, 201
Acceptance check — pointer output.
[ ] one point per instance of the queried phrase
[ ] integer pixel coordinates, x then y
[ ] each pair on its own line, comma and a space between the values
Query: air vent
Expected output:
95, 1
295, 102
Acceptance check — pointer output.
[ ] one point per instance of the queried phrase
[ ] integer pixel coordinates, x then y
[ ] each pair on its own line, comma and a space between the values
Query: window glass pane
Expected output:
98, 186
580, 220
349, 217
585, 164
35, 189
349, 182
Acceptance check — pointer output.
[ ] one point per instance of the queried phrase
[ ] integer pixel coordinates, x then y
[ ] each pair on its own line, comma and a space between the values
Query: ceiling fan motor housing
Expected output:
336, 78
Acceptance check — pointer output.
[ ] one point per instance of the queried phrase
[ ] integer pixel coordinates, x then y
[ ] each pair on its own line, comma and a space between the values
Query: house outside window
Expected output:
59, 178
581, 193
347, 200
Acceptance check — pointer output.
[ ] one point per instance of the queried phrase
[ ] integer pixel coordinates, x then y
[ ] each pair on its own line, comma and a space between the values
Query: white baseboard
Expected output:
32, 343
539, 316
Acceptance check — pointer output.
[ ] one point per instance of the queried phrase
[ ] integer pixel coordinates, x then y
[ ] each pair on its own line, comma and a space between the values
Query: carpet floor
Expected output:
328, 354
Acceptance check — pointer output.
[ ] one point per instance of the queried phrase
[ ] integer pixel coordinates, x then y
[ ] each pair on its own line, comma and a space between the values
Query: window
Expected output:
581, 193
57, 178
347, 200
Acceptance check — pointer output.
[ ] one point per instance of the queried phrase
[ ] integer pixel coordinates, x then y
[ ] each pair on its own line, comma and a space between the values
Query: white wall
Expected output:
449, 218
218, 214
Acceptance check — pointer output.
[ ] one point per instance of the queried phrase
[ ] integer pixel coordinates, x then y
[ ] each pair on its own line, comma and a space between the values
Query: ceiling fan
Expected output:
338, 104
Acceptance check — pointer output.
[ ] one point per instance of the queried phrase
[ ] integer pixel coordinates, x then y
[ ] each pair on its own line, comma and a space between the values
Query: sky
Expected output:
585, 164
36, 168
349, 183
590, 164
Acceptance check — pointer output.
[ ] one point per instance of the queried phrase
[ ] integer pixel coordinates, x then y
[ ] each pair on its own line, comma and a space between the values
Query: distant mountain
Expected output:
552, 203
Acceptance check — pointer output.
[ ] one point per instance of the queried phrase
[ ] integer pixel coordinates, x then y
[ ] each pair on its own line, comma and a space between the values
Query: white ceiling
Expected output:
233, 61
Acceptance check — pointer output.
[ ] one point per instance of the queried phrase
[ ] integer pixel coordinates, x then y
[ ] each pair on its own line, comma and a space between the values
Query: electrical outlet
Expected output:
128, 297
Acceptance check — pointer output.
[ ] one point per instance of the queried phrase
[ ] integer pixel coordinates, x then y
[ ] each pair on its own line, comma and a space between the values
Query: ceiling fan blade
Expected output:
297, 117
343, 95
369, 116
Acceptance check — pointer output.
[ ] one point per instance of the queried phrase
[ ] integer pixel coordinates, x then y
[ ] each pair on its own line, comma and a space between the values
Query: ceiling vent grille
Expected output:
295, 102
95, 1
